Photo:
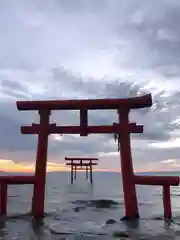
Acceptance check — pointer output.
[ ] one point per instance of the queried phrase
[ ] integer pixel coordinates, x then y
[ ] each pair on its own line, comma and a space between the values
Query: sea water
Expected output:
85, 211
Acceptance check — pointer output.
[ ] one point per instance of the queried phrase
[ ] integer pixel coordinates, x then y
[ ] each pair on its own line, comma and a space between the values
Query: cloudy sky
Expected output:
60, 49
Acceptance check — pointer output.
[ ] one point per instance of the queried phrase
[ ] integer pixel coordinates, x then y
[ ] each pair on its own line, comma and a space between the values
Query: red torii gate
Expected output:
123, 129
81, 162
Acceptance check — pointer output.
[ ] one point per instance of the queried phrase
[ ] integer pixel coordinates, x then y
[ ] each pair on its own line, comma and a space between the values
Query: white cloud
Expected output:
169, 161
171, 143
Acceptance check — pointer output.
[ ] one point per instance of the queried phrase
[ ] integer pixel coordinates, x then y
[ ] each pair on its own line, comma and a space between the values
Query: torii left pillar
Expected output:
41, 162
75, 172
72, 175
86, 172
90, 166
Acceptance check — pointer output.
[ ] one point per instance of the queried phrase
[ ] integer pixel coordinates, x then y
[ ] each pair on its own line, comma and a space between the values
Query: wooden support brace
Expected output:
11, 180
156, 180
17, 180
165, 182
167, 201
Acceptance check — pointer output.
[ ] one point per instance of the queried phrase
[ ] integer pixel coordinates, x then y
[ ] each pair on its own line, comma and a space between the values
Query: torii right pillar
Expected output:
129, 188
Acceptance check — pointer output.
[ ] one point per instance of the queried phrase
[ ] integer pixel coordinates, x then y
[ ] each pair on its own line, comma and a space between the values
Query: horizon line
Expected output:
109, 171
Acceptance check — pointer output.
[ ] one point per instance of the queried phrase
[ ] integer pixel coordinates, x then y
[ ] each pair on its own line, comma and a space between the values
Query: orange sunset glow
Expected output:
11, 166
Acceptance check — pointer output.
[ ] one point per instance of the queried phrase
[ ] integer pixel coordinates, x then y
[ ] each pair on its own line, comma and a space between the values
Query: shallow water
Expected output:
80, 211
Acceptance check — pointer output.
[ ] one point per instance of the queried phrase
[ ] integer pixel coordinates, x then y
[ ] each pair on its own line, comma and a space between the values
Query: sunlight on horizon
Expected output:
11, 166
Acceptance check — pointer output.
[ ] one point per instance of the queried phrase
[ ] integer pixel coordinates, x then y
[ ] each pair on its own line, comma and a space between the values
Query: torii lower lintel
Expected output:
82, 165
53, 129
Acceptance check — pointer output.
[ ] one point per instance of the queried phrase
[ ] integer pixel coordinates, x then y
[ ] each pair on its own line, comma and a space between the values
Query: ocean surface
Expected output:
81, 211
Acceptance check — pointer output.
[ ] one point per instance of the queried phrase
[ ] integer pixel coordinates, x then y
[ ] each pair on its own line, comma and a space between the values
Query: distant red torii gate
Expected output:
124, 128
81, 162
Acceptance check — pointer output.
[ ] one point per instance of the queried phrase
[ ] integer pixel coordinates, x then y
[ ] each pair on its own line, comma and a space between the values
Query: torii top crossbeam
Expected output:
80, 158
131, 103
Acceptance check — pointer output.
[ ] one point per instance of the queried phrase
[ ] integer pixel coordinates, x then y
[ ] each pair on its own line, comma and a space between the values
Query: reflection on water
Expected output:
83, 211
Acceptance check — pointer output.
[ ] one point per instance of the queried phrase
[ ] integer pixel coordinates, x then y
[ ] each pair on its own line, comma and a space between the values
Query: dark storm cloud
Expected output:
157, 123
7, 84
14, 141
11, 119
115, 90
147, 29
14, 89
11, 138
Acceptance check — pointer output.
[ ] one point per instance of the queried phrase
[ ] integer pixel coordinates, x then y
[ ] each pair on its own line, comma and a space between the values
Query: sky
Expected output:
62, 49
